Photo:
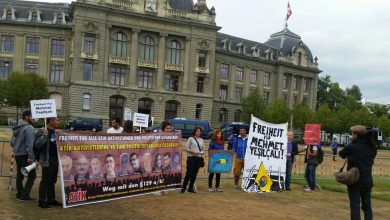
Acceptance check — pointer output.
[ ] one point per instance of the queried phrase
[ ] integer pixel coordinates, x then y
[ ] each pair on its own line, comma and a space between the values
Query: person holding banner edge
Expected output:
292, 150
217, 143
239, 147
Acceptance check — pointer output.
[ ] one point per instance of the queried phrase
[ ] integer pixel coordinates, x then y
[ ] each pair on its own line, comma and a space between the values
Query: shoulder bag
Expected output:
348, 177
202, 159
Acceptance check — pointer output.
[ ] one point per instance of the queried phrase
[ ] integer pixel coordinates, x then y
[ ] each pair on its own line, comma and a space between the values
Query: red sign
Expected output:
312, 135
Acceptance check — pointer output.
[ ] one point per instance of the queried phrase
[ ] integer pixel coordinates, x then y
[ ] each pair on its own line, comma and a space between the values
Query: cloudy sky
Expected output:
351, 38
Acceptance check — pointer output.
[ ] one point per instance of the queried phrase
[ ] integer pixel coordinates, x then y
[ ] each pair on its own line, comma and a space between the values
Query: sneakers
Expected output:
211, 190
192, 191
308, 190
218, 190
235, 187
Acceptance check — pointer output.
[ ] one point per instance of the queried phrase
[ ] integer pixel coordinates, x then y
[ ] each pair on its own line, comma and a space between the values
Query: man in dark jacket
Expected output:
292, 150
360, 153
22, 146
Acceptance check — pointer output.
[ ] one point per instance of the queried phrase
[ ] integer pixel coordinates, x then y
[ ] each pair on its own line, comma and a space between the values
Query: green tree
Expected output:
323, 89
327, 118
20, 88
277, 112
355, 92
378, 109
252, 104
302, 115
336, 96
2, 91
384, 125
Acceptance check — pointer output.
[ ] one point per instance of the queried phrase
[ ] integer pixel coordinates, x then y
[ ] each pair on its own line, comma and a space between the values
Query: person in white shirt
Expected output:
116, 126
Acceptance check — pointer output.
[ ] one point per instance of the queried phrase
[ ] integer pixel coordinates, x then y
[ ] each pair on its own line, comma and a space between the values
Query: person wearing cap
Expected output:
22, 145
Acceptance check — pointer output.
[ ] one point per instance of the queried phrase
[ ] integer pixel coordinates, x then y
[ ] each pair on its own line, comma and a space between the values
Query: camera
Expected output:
374, 135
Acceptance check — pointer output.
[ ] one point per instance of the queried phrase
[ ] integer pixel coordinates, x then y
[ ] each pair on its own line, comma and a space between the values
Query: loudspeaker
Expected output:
27, 169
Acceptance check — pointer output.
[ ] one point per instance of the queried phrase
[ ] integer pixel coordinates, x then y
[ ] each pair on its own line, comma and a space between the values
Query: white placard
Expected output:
44, 108
141, 120
128, 114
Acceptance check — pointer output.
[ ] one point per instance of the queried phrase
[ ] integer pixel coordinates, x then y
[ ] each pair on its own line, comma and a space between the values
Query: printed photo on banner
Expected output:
44, 108
220, 161
265, 157
97, 167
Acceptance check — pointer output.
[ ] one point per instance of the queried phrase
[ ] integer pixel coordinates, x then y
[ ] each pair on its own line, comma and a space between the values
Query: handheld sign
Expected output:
128, 113
312, 135
44, 108
141, 120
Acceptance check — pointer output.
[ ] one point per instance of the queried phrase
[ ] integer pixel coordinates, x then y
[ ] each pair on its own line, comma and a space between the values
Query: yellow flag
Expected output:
263, 180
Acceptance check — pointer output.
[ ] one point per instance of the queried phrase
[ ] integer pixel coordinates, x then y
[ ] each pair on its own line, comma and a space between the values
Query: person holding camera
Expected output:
360, 153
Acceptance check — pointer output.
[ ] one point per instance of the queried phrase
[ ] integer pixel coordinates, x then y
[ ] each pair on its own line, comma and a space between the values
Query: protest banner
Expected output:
267, 147
44, 108
220, 161
98, 167
312, 134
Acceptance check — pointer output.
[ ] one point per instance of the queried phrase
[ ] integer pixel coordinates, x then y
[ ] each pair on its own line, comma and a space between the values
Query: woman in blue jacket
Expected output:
217, 143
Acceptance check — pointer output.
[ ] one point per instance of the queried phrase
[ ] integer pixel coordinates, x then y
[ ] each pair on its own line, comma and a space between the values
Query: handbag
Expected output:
202, 164
348, 177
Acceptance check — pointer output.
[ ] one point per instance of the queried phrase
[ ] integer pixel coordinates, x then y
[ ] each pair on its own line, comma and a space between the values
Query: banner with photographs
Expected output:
97, 167
265, 157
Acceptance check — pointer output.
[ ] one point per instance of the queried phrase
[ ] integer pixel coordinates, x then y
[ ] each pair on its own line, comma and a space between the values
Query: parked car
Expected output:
187, 126
232, 129
82, 124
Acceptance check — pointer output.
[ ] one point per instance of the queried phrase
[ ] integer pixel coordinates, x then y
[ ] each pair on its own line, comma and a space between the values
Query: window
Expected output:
59, 19
223, 115
118, 76
116, 106
145, 79
86, 101
200, 84
32, 45
88, 71
239, 73
34, 17
295, 100
119, 45
5, 69
145, 106
146, 51
295, 83
267, 79
224, 71
57, 47
253, 76
7, 43
241, 49
31, 68
285, 81
266, 96
8, 15
223, 89
304, 100
285, 97
198, 111
171, 109
202, 58
57, 73
226, 45
237, 115
89, 44
171, 82
174, 52
306, 83
58, 99
238, 94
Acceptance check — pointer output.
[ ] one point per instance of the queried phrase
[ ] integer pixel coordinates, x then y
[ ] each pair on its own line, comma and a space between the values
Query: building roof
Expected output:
186, 5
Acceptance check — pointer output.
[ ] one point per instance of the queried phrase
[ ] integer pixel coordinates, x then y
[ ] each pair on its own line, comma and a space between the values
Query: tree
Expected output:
327, 118
323, 89
2, 91
20, 88
302, 115
252, 104
354, 91
378, 109
277, 112
384, 125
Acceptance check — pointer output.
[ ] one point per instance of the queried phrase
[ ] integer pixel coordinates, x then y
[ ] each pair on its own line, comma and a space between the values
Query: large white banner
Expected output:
267, 145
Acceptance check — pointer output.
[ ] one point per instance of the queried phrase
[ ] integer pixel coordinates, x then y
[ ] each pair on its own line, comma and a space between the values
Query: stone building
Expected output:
165, 58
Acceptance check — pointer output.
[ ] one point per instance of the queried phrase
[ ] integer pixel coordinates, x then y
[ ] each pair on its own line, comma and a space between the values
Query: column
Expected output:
232, 83
246, 81
161, 61
187, 65
134, 58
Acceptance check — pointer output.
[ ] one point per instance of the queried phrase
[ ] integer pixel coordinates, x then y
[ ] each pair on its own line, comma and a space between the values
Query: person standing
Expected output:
48, 158
360, 153
128, 127
22, 145
216, 143
116, 126
334, 148
239, 147
195, 149
292, 150
311, 165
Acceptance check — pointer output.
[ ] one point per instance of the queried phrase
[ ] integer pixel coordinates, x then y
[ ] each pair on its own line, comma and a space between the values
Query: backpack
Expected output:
320, 155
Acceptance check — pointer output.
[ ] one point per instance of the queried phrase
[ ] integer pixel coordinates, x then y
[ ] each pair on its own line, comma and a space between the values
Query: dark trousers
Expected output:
334, 153
354, 202
48, 181
23, 191
310, 175
217, 179
289, 165
193, 165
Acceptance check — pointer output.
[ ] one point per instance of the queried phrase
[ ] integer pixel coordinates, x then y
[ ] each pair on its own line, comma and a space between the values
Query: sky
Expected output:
351, 38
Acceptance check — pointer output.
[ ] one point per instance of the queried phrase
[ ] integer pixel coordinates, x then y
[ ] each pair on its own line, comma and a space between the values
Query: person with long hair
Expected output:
195, 149
217, 143
128, 127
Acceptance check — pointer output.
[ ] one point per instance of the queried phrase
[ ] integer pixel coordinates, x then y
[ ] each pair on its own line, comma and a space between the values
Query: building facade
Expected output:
164, 58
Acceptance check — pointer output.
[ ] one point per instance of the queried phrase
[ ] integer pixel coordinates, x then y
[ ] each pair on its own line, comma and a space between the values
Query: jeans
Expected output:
48, 181
217, 179
288, 173
354, 202
310, 175
193, 165
23, 191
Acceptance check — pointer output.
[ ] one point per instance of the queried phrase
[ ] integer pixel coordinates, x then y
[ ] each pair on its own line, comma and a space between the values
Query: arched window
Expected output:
58, 98
86, 101
34, 17
198, 111
174, 52
116, 106
8, 15
119, 45
146, 48
145, 106
237, 115
223, 115
59, 19
171, 109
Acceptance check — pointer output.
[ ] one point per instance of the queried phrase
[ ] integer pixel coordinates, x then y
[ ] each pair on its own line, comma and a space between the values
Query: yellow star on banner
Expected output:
263, 180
